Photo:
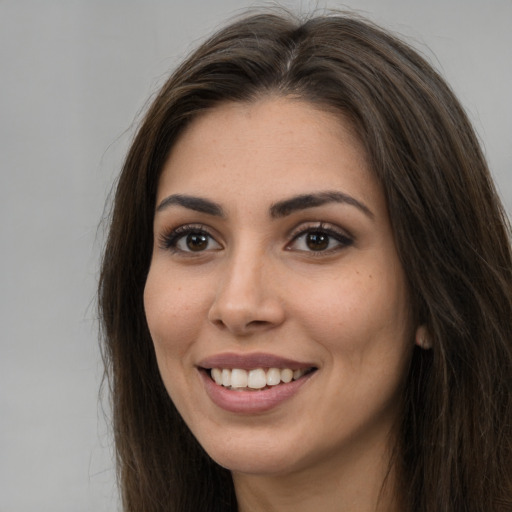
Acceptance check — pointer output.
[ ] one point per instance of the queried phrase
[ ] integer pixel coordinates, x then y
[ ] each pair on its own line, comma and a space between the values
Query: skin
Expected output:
257, 286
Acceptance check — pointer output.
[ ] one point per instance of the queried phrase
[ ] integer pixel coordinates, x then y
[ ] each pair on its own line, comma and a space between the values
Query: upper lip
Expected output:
251, 361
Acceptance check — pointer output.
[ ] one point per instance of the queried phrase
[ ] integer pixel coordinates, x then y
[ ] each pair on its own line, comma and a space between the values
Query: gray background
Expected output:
73, 77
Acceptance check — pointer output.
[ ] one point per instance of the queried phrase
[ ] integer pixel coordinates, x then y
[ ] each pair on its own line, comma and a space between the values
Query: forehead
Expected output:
268, 148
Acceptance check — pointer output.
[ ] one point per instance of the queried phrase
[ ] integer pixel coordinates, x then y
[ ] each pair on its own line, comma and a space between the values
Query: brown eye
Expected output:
317, 241
197, 242
320, 239
189, 239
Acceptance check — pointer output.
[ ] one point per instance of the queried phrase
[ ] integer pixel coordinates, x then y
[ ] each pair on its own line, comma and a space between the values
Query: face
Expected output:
275, 299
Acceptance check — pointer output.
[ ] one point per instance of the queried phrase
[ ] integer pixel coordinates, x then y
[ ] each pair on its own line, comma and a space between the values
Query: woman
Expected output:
306, 290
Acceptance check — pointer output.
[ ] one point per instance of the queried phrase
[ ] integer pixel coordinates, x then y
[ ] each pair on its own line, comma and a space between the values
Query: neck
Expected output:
364, 483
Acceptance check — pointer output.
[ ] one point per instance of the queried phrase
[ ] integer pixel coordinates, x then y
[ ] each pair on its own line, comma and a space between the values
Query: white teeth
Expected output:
286, 375
226, 377
297, 374
258, 378
273, 377
238, 378
217, 376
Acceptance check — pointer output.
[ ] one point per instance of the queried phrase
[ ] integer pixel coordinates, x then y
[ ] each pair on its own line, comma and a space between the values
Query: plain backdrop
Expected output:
74, 75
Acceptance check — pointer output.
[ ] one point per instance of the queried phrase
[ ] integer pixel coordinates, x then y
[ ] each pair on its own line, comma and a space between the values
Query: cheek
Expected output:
172, 313
363, 310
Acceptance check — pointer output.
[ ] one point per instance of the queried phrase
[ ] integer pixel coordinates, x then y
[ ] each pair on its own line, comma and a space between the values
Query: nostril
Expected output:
218, 322
258, 323
243, 326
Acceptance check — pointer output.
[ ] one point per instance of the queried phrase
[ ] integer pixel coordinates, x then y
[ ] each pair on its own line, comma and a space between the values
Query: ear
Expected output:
422, 338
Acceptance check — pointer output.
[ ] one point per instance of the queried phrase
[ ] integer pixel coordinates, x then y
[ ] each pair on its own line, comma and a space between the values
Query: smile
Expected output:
256, 379
253, 383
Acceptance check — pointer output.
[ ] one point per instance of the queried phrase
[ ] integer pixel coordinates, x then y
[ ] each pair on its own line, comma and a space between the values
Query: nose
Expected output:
247, 299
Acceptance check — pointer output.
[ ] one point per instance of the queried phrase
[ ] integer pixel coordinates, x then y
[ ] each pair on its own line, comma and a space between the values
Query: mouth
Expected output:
253, 383
256, 379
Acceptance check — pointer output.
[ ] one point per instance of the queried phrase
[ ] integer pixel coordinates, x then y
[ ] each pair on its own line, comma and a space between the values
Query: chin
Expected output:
257, 466
254, 458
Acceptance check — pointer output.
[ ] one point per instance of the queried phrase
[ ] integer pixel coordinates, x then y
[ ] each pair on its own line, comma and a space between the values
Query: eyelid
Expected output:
342, 236
169, 238
320, 226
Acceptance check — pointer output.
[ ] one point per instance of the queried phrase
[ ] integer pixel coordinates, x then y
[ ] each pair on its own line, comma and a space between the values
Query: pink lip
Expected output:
251, 402
250, 361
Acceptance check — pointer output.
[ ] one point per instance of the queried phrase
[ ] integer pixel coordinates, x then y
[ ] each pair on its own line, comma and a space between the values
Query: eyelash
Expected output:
169, 240
343, 239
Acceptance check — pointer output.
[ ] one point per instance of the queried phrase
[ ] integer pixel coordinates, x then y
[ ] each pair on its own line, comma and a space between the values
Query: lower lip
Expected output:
251, 402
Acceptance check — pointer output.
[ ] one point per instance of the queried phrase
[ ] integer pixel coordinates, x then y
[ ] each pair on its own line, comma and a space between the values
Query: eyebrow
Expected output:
197, 204
302, 202
277, 210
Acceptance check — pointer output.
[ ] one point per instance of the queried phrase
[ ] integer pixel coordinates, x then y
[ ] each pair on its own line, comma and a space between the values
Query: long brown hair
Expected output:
454, 447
